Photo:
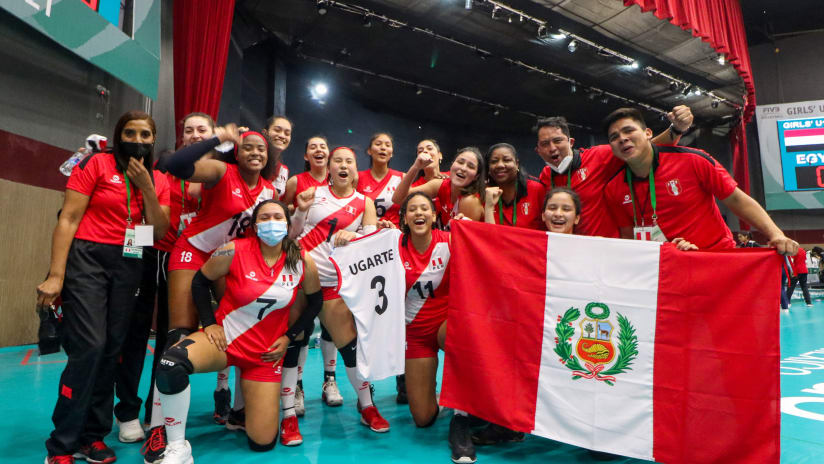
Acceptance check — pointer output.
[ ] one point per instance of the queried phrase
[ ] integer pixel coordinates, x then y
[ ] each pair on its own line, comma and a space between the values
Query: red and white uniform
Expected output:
225, 214
446, 209
327, 215
687, 182
304, 182
183, 209
254, 311
381, 193
527, 213
105, 218
280, 180
591, 170
427, 294
422, 180
800, 262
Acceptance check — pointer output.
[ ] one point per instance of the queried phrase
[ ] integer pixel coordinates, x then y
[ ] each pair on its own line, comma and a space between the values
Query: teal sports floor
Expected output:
28, 388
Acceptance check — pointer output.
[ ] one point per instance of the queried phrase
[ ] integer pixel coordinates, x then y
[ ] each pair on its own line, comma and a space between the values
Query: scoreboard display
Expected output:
802, 153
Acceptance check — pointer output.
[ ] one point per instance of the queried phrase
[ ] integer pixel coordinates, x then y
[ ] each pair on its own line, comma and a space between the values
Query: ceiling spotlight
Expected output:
687, 90
559, 35
605, 99
520, 18
418, 90
367, 21
721, 59
541, 30
495, 10
468, 4
633, 64
322, 7
318, 90
714, 104
496, 112
673, 86
572, 88
696, 91
591, 95
572, 46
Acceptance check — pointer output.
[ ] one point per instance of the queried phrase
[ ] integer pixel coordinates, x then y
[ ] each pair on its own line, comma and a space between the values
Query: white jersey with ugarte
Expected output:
327, 215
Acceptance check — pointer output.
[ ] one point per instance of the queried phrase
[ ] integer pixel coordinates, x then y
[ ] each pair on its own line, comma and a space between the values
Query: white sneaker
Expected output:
178, 452
331, 395
300, 405
130, 431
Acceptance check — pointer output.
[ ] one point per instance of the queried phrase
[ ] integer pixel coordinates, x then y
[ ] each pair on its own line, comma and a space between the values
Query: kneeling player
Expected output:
249, 331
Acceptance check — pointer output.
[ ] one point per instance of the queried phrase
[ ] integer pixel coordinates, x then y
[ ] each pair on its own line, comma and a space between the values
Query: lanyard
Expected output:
128, 199
569, 179
183, 197
501, 212
651, 193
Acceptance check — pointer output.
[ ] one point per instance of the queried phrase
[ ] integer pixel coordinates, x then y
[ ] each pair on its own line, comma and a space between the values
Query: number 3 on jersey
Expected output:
384, 301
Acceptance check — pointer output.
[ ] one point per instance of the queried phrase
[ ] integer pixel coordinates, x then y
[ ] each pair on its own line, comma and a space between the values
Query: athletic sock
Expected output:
287, 391
239, 403
361, 387
223, 379
157, 410
175, 410
304, 352
330, 358
459, 412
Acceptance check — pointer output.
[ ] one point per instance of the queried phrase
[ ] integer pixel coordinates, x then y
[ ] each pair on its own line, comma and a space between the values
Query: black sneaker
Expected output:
62, 459
460, 441
96, 453
400, 385
236, 420
155, 445
493, 434
223, 399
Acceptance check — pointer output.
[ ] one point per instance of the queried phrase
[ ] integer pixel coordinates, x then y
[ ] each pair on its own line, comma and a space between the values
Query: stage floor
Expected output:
28, 386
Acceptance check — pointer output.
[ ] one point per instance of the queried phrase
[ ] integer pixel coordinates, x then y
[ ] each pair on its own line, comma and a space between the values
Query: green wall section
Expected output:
76, 27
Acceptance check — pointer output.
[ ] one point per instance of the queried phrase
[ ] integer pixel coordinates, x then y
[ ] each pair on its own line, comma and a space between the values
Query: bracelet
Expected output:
676, 131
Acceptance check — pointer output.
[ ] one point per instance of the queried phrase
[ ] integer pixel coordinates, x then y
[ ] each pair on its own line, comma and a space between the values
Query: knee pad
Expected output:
176, 335
349, 353
324, 334
290, 359
261, 448
174, 369
305, 342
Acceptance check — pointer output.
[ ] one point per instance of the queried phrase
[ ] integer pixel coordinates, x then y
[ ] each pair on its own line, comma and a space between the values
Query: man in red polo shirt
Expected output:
667, 193
587, 170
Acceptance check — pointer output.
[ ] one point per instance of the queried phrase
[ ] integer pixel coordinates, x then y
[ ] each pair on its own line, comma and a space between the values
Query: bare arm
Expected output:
491, 197
74, 206
291, 189
218, 264
681, 118
470, 206
749, 210
156, 215
404, 188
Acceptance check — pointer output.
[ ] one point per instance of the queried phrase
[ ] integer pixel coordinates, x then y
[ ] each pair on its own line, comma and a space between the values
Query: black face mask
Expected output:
134, 149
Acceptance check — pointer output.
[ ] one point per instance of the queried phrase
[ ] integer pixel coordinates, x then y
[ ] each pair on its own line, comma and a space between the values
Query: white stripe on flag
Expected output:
589, 412
804, 140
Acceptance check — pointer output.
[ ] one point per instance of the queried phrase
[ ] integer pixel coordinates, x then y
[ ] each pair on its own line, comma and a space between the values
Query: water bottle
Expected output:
94, 143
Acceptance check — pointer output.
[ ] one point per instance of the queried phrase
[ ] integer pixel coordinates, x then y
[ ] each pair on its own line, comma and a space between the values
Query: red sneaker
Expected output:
371, 418
62, 459
289, 432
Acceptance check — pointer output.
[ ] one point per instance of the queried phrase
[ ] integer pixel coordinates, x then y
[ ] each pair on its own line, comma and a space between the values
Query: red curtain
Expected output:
721, 24
201, 44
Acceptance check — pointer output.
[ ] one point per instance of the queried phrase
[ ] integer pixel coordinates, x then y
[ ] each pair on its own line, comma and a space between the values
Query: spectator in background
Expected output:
799, 264
745, 240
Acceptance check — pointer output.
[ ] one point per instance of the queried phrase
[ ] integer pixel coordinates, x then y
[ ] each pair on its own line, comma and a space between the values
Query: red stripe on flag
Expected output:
495, 323
803, 132
716, 383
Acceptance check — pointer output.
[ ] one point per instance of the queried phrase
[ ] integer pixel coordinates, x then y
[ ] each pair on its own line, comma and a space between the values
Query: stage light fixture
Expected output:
573, 88
721, 59
633, 64
559, 35
541, 31
496, 112
605, 99
322, 7
367, 21
714, 104
495, 10
509, 20
572, 46
318, 90
687, 90
468, 4
673, 86
418, 90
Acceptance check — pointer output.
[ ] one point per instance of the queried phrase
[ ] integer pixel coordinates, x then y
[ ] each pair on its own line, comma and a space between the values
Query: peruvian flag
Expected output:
628, 347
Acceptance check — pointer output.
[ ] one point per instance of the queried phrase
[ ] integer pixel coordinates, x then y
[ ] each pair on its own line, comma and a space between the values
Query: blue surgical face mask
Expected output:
272, 232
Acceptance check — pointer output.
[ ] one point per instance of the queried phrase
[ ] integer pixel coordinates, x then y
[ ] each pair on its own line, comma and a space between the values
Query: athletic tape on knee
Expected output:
176, 335
261, 448
349, 353
290, 359
174, 369
324, 334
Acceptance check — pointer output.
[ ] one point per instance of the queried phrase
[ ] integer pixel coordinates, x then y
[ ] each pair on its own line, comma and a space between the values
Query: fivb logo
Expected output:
437, 263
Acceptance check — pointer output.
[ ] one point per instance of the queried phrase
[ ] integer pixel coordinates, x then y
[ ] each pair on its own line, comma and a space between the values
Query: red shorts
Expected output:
253, 368
422, 340
186, 256
329, 293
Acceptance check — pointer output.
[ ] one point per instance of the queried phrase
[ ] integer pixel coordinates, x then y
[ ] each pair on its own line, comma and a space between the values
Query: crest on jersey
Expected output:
407, 266
437, 263
582, 173
526, 208
350, 209
236, 192
115, 179
288, 281
627, 199
674, 187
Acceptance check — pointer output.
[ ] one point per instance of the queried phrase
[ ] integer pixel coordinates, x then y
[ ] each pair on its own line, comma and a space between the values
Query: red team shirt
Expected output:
528, 209
591, 169
105, 218
254, 311
800, 262
687, 181
381, 193
183, 208
446, 209
427, 294
422, 180
305, 181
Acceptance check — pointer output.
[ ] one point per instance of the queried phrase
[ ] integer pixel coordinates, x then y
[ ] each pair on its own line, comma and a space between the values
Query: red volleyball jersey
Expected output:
305, 181
422, 180
591, 169
446, 209
527, 213
427, 281
226, 210
381, 192
183, 209
254, 311
105, 218
687, 182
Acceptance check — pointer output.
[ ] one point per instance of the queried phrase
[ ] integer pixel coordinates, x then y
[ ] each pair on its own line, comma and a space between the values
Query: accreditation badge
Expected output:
130, 247
185, 220
649, 233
